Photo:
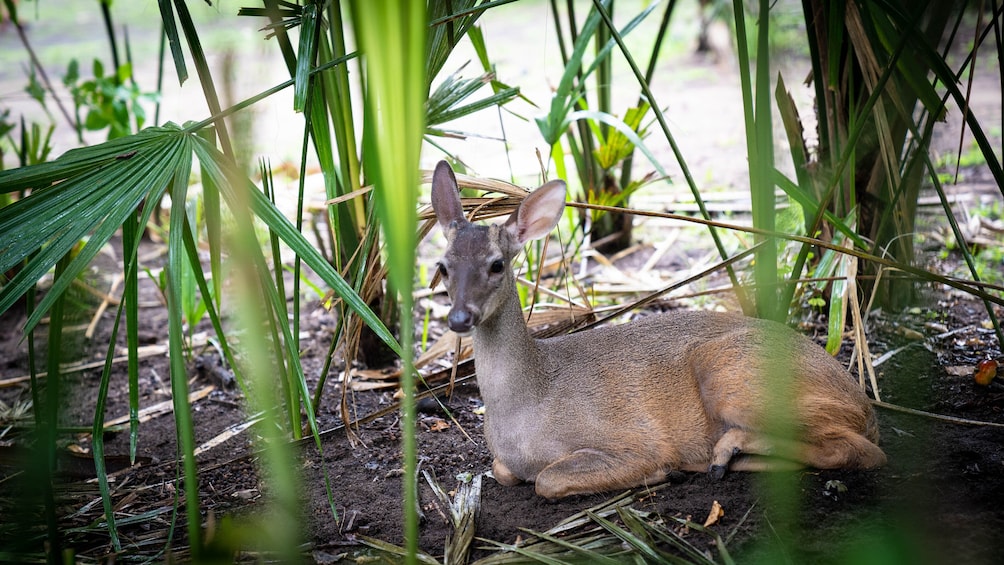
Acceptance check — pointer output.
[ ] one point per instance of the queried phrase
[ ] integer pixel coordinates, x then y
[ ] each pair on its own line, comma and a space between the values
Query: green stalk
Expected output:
39, 418
130, 297
205, 75
160, 73
282, 314
393, 41
343, 176
759, 149
301, 184
845, 155
604, 72
649, 73
763, 195
664, 125
106, 17
319, 53
263, 349
559, 37
179, 375
47, 417
214, 233
98, 433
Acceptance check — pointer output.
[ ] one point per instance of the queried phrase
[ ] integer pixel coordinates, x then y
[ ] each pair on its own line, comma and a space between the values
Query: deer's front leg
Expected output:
503, 475
587, 471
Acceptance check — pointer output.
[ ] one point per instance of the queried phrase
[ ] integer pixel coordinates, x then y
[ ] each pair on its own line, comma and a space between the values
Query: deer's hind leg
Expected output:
738, 442
762, 452
845, 449
587, 471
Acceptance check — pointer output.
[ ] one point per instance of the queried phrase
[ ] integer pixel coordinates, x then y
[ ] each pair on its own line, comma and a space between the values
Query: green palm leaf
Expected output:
98, 187
91, 192
446, 102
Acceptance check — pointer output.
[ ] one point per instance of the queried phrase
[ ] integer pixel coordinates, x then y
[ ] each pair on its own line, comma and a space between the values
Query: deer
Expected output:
622, 406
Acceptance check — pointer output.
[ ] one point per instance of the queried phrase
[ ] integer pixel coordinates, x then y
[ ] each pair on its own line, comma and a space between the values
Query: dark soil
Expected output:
938, 500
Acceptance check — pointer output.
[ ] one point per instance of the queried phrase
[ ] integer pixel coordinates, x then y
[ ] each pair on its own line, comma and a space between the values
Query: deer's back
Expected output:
702, 368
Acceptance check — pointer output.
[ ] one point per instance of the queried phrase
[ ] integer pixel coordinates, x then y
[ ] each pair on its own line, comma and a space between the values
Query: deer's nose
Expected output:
461, 320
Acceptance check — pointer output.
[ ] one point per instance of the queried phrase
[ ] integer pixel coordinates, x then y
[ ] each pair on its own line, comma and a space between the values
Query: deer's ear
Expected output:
538, 213
446, 196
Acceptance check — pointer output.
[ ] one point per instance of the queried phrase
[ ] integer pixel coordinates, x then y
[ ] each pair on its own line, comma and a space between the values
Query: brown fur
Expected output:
620, 406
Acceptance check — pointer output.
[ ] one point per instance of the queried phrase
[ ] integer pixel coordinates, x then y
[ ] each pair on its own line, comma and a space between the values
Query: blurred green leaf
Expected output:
72, 73
35, 89
95, 120
392, 41
124, 73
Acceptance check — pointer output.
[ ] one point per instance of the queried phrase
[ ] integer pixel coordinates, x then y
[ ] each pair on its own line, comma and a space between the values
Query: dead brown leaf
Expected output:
716, 514
439, 425
374, 374
910, 333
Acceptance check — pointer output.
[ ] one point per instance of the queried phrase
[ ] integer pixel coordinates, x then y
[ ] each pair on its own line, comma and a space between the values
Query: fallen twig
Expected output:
933, 416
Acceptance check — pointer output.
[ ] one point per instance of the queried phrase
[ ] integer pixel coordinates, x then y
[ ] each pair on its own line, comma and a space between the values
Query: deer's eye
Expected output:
497, 267
442, 270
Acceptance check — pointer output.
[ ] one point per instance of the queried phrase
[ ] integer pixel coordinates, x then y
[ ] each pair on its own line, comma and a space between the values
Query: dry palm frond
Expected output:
612, 532
392, 549
463, 512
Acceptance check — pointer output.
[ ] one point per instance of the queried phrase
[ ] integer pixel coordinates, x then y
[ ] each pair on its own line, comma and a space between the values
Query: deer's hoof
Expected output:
716, 472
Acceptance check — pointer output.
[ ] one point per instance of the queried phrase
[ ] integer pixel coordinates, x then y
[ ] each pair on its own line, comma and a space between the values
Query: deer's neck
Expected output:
508, 359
